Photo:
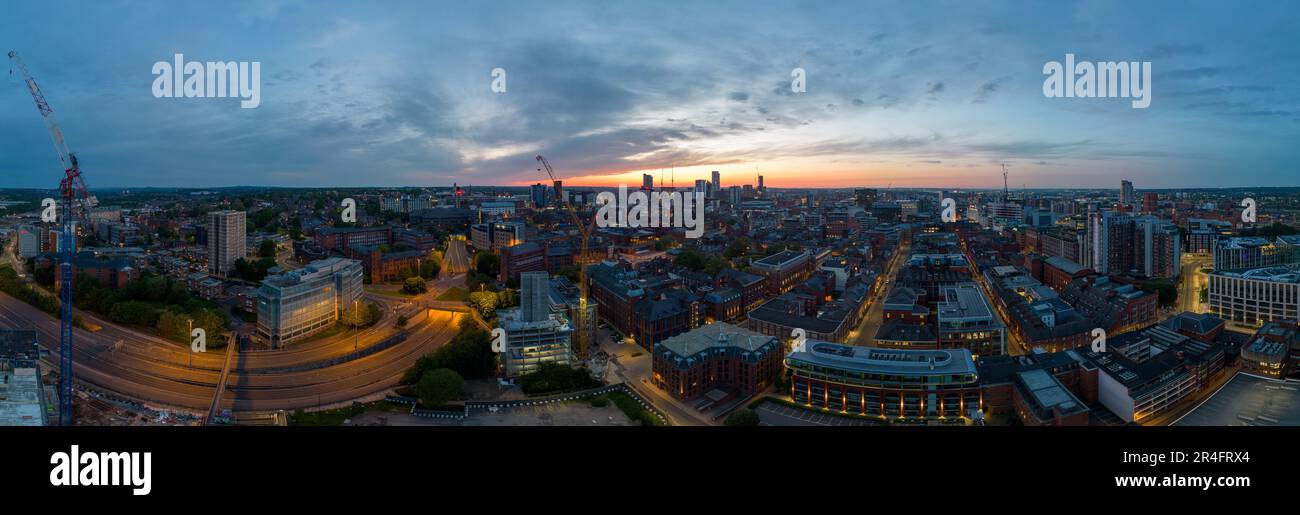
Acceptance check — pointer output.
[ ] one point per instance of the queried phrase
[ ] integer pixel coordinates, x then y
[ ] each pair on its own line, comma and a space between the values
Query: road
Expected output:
1191, 280
631, 365
153, 370
865, 332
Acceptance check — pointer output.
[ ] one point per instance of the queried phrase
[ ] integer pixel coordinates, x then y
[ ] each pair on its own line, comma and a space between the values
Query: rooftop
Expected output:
886, 361
716, 335
781, 258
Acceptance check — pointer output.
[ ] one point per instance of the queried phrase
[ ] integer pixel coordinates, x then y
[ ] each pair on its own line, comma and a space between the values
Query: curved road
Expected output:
150, 369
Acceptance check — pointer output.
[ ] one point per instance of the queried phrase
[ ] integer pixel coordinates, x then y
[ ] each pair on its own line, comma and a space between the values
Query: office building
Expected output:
226, 240
1127, 196
1150, 202
537, 194
783, 270
405, 203
1203, 234
885, 383
1248, 252
535, 333
1039, 389
344, 238
522, 258
964, 319
299, 303
1255, 297
29, 244
717, 356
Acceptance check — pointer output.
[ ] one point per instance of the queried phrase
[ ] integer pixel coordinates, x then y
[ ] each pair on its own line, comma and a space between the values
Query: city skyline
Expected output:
896, 95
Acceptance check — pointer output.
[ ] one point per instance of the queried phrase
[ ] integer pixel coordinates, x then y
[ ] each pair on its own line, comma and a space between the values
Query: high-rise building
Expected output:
303, 302
1150, 202
559, 192
535, 334
534, 295
647, 181
537, 194
1159, 247
702, 187
1119, 243
864, 197
1126, 194
761, 187
227, 240
717, 182
29, 244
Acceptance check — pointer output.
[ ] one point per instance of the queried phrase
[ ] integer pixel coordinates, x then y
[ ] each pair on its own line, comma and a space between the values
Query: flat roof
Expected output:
1248, 400
21, 398
1064, 265
886, 361
964, 301
1048, 392
781, 258
715, 335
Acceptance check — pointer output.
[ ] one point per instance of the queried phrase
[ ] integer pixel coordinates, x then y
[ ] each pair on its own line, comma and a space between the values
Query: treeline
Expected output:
469, 354
156, 302
11, 284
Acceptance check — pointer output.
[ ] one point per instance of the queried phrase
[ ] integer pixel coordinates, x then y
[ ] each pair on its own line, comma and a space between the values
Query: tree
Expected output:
485, 302
437, 387
1166, 290
401, 320
429, 268
487, 263
691, 259
738, 247
469, 354
415, 285
266, 249
742, 417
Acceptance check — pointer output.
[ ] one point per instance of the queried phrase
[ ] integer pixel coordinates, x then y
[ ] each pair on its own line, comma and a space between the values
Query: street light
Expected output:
188, 335
356, 342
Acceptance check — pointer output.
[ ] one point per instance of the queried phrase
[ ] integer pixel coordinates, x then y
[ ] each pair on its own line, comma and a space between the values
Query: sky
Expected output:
901, 94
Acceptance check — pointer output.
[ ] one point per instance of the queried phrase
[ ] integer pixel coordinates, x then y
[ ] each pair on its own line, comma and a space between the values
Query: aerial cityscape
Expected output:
841, 220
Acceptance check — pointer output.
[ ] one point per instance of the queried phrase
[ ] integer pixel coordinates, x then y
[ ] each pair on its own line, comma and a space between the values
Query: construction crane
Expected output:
582, 324
74, 197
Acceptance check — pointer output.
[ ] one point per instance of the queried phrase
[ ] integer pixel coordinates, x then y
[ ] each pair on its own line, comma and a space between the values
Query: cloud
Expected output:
987, 89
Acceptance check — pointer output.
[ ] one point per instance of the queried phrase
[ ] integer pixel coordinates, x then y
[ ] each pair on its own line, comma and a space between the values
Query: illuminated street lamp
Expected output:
190, 334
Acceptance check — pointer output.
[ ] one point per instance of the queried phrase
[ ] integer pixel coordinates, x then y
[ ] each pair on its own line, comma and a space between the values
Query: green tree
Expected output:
738, 247
469, 354
430, 268
405, 273
742, 417
691, 259
266, 249
436, 387
487, 263
485, 302
415, 285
